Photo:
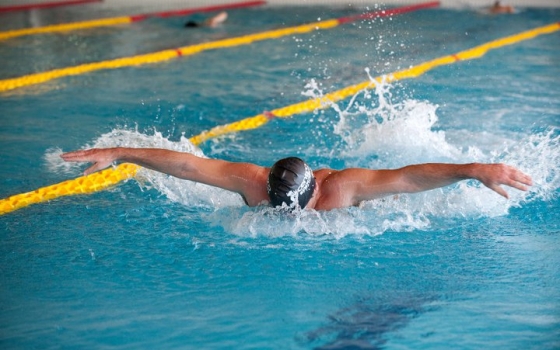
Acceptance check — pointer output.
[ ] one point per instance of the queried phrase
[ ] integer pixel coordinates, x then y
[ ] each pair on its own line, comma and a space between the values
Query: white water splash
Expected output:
377, 132
177, 190
55, 164
397, 133
188, 193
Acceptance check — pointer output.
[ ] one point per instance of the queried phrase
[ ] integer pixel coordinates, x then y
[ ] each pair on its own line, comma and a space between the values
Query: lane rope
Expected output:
66, 27
44, 5
112, 176
412, 72
161, 56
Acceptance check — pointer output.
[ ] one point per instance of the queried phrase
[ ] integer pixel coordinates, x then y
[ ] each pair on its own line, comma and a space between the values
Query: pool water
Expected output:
158, 262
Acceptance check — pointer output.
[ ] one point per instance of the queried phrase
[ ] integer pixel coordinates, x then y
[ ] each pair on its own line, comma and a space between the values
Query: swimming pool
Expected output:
174, 265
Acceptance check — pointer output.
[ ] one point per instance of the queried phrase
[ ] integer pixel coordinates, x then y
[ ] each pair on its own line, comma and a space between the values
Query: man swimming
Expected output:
498, 8
291, 183
211, 22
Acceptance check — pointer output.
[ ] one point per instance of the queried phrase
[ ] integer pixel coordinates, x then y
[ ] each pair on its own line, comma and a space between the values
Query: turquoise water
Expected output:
168, 264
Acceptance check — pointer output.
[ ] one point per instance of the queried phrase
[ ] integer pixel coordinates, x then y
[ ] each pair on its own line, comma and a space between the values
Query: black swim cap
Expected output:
191, 24
290, 180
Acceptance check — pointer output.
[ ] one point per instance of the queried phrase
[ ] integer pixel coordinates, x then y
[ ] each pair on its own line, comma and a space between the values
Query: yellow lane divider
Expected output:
161, 56
156, 57
112, 176
412, 72
65, 27
81, 185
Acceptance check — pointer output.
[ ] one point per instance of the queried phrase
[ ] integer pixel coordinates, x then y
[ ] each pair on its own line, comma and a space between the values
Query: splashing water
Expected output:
55, 164
394, 133
376, 132
186, 192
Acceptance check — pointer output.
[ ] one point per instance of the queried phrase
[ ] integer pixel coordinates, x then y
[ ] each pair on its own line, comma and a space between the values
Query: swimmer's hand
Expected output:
101, 158
495, 175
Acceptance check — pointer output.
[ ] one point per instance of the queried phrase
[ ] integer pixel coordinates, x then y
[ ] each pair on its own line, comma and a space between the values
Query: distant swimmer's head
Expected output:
192, 24
290, 181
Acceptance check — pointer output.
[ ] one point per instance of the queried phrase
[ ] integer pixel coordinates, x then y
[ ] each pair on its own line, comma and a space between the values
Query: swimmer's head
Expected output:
191, 24
290, 181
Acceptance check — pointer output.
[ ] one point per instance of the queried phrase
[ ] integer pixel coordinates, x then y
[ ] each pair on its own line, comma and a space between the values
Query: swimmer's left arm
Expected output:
495, 175
423, 177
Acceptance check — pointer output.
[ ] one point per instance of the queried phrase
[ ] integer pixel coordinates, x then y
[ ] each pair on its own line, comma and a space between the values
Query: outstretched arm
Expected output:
370, 184
243, 178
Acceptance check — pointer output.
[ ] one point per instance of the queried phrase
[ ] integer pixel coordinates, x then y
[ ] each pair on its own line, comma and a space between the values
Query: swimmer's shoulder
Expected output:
321, 174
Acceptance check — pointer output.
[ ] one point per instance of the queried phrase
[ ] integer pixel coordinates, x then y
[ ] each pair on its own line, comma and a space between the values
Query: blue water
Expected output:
168, 264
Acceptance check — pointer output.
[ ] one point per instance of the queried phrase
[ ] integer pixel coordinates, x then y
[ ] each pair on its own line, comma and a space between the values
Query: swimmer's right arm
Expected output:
162, 160
236, 177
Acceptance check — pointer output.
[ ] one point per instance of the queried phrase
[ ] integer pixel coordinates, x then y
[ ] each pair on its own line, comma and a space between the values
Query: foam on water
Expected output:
397, 133
186, 192
376, 132
375, 125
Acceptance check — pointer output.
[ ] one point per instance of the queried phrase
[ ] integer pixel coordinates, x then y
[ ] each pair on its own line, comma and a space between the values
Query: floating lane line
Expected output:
112, 176
81, 185
66, 27
412, 72
184, 12
161, 56
43, 5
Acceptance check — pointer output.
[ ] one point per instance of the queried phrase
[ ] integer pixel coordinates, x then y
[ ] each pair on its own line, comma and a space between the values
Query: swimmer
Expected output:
291, 183
211, 22
499, 8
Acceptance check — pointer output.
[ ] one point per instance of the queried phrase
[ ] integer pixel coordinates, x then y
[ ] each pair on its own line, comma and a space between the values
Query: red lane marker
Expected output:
45, 5
457, 58
190, 11
389, 12
269, 115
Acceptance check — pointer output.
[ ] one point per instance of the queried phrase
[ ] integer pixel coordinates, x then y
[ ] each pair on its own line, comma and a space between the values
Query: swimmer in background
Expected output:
498, 8
211, 22
290, 183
